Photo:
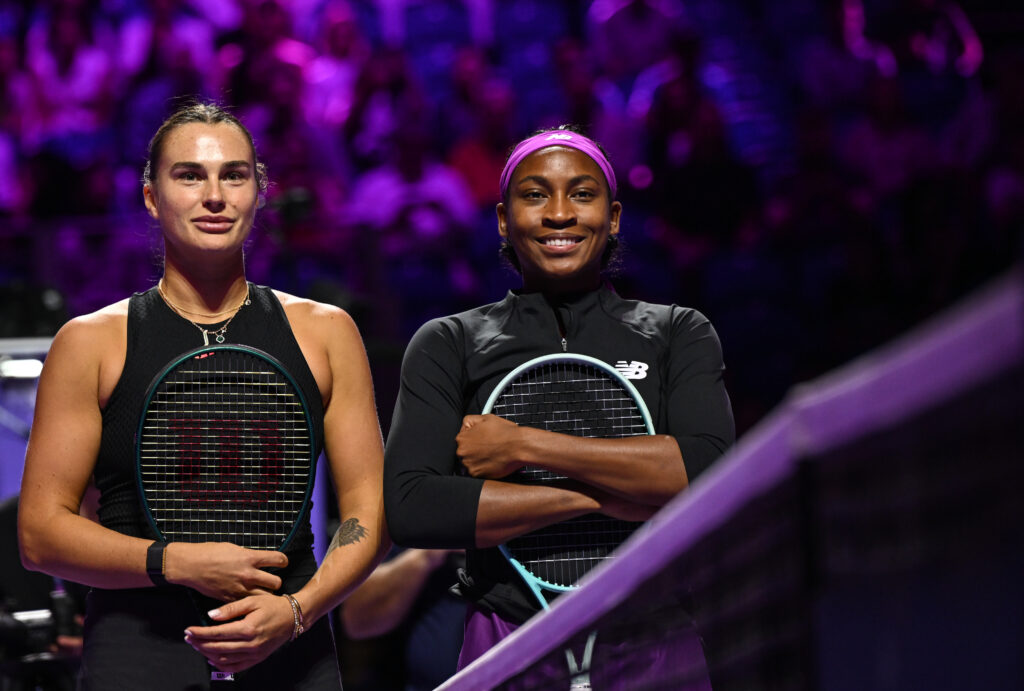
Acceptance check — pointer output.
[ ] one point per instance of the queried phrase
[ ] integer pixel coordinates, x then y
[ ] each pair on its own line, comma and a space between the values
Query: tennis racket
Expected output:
225, 452
584, 397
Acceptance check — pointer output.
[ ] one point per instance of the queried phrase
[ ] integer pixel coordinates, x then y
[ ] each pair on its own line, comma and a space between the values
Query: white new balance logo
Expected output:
632, 370
558, 136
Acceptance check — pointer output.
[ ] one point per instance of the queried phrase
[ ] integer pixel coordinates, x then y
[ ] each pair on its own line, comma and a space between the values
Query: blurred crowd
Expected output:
815, 176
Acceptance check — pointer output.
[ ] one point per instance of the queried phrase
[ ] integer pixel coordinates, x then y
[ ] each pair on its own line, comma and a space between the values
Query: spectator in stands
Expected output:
480, 121
17, 113
331, 78
264, 24
884, 144
929, 45
72, 72
73, 80
409, 594
414, 214
164, 52
17, 98
289, 141
933, 33
386, 94
700, 188
166, 36
612, 28
1004, 179
478, 152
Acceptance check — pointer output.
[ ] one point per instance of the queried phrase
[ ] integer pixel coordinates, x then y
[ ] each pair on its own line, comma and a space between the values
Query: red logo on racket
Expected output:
239, 462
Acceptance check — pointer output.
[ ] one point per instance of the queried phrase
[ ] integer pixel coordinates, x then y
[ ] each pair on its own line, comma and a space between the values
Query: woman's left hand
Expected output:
487, 445
254, 627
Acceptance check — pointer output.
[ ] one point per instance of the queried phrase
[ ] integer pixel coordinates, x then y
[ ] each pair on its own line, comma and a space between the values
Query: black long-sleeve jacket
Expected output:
670, 353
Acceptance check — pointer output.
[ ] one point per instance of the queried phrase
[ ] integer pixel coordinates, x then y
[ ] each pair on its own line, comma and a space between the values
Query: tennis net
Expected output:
867, 534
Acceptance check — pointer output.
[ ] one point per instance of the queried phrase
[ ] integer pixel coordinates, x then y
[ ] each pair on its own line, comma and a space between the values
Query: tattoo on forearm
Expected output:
348, 532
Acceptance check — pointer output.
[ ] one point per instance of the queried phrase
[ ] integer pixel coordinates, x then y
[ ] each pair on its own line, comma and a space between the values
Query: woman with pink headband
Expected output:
445, 463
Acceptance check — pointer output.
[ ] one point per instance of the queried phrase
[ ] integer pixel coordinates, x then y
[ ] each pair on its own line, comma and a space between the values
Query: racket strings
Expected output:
582, 400
225, 452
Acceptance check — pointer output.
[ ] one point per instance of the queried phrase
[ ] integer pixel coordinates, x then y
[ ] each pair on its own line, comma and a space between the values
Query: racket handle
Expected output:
202, 605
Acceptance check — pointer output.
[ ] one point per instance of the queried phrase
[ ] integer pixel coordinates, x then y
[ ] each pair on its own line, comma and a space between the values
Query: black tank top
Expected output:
156, 335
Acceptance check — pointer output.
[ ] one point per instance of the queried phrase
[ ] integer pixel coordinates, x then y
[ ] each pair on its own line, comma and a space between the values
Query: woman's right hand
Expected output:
222, 570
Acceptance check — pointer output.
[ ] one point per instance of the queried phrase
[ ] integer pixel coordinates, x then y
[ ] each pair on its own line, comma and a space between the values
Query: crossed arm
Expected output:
628, 478
431, 505
429, 508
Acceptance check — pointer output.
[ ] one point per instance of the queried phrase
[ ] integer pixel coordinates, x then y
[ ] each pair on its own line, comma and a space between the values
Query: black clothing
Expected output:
126, 651
134, 637
451, 366
430, 635
156, 335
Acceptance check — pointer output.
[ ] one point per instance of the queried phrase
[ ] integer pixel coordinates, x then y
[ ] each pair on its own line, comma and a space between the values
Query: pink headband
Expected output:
543, 140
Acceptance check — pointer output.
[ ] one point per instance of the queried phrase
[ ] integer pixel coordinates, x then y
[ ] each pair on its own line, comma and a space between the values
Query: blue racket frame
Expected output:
534, 583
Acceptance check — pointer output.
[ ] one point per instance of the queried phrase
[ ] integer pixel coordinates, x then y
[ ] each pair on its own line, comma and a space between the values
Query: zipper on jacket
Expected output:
561, 328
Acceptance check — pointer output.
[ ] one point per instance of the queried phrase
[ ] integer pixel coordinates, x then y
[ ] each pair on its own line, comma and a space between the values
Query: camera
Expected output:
26, 632
29, 658
35, 631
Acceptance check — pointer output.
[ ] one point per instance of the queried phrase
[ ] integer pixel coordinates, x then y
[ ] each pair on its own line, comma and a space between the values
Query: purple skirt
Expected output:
677, 658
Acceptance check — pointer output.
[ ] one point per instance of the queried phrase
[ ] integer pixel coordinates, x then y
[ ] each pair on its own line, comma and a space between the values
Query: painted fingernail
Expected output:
213, 613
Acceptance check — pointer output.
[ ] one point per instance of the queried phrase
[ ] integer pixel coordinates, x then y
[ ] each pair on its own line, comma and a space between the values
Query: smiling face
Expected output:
204, 190
558, 218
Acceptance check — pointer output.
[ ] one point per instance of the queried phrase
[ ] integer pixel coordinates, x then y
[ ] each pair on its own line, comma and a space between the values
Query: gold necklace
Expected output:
218, 334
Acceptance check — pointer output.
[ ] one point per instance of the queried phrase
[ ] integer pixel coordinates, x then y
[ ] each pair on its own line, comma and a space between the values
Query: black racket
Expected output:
225, 451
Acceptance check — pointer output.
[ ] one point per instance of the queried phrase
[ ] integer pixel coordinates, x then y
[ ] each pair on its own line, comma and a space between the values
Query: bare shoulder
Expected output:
89, 350
310, 316
93, 333
330, 342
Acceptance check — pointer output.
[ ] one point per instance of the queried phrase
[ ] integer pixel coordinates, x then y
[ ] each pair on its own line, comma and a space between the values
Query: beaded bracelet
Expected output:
297, 616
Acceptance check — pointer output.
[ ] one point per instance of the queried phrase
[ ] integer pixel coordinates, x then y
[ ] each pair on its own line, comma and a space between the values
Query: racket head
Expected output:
578, 395
225, 449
